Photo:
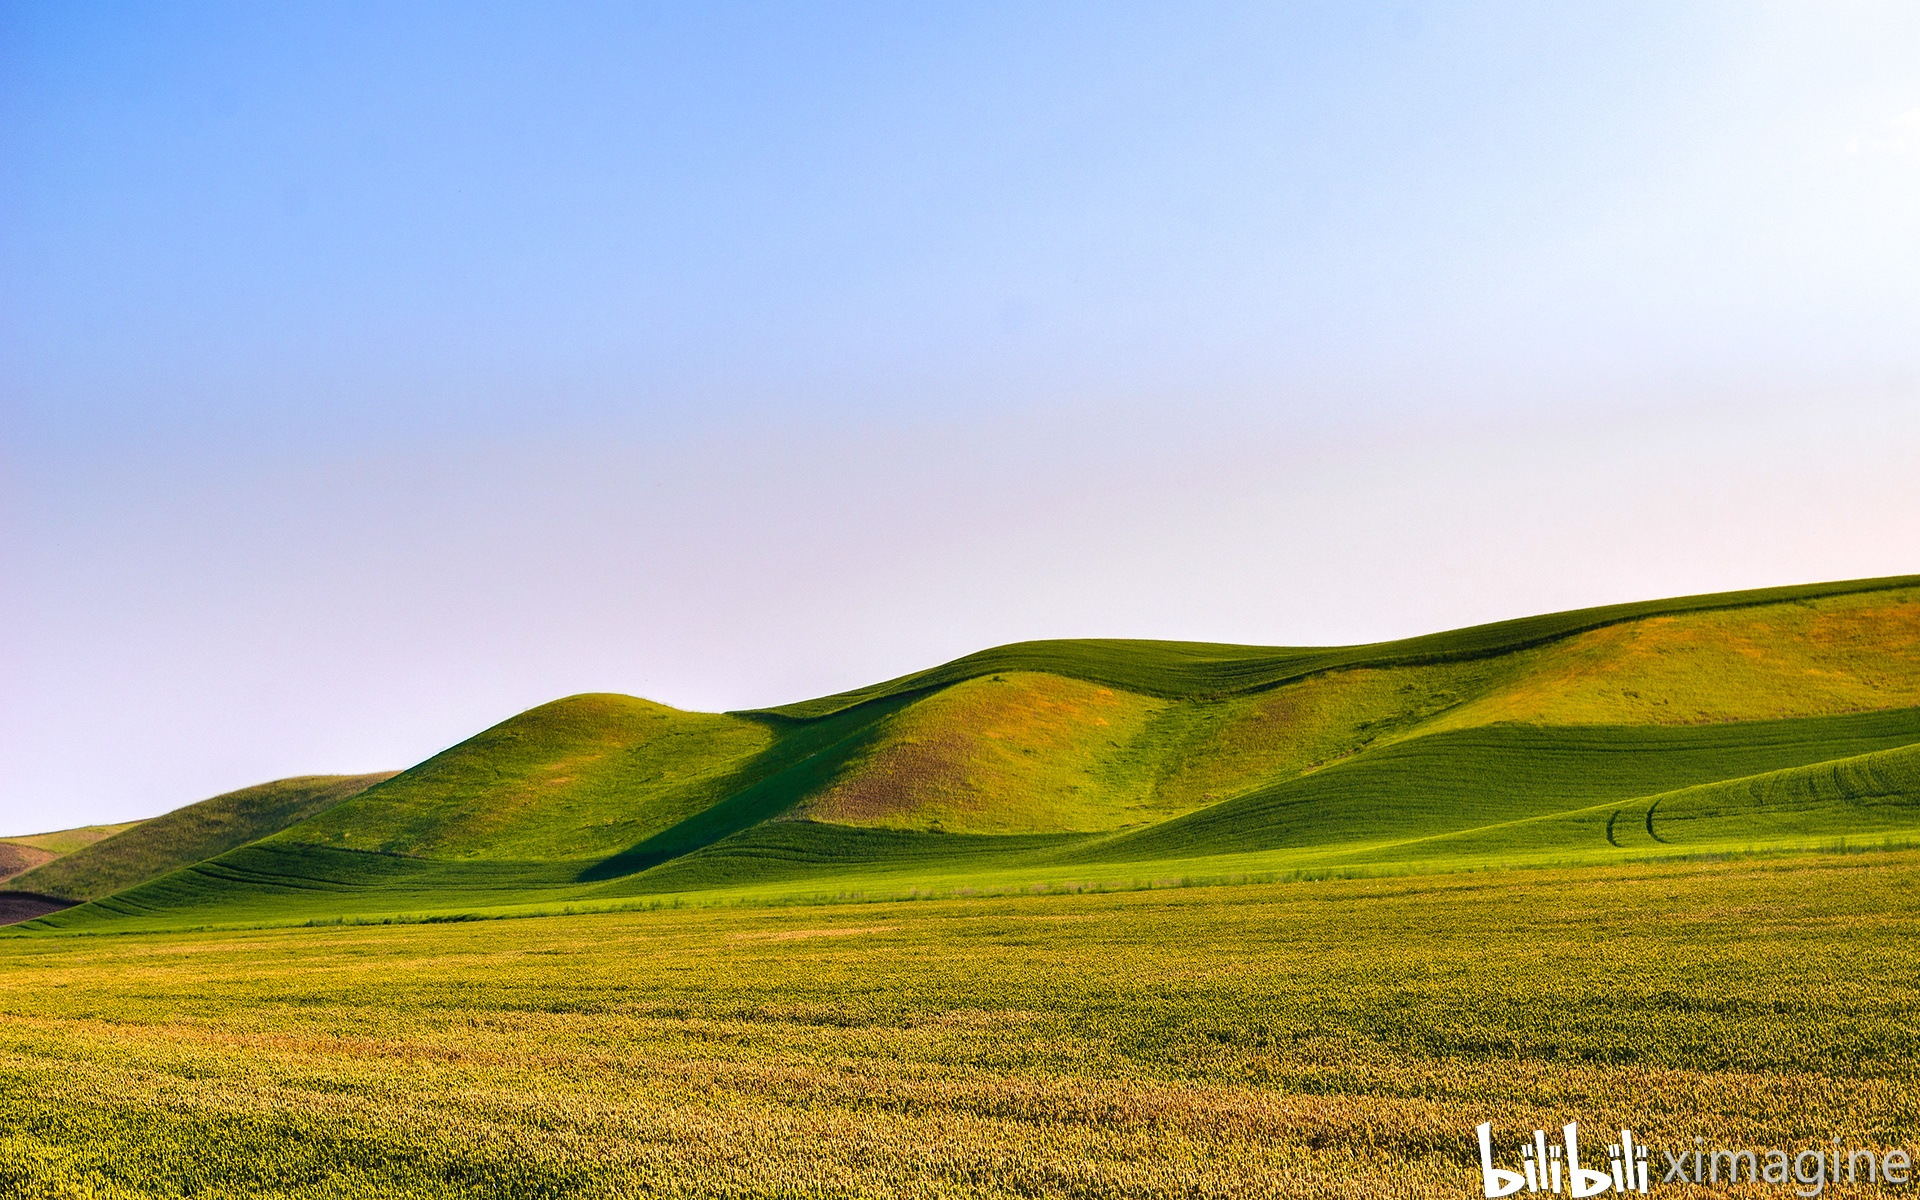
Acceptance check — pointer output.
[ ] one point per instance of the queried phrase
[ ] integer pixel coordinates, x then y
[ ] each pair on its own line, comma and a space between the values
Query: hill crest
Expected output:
1517, 742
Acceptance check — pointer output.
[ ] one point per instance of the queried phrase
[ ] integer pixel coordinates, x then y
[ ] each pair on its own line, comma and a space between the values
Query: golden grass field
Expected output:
1335, 1038
1058, 920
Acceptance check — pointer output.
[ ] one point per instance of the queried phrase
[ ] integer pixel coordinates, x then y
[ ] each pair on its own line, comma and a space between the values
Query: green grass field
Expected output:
1336, 1038
1075, 919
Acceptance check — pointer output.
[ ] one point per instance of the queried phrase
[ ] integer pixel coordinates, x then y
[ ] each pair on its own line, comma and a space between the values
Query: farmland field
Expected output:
1335, 1038
1058, 919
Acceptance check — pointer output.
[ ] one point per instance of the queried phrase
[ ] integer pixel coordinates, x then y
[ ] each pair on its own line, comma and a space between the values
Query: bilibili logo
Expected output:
1556, 1166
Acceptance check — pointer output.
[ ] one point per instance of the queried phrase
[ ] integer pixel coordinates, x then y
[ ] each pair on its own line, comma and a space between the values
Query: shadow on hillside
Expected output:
805, 756
16, 907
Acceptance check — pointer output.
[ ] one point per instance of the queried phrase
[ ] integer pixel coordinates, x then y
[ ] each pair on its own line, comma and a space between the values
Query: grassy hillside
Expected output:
1755, 721
580, 778
1396, 798
66, 841
188, 835
1190, 670
1019, 752
24, 853
16, 859
1846, 653
1870, 798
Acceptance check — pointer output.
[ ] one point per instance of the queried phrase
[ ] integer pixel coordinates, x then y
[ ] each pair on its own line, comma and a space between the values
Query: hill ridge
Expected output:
1273, 666
193, 833
1029, 764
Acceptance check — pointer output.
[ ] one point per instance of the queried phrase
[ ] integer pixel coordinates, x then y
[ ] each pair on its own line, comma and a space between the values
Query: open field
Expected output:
1071, 919
1334, 1038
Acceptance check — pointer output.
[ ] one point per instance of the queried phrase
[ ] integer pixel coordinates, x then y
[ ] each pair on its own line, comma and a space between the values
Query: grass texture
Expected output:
1198, 670
1307, 1040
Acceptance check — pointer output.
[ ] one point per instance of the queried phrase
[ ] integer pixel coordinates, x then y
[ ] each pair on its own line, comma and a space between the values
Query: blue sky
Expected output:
370, 372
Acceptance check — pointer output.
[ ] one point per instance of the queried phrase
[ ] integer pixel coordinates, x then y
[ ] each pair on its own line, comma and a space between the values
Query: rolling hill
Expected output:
21, 854
129, 855
1776, 720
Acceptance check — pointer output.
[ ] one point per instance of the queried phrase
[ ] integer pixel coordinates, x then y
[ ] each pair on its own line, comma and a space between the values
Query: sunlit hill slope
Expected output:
132, 854
1781, 720
19, 855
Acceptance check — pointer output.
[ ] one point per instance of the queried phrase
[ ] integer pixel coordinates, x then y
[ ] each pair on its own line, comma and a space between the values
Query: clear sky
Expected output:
370, 372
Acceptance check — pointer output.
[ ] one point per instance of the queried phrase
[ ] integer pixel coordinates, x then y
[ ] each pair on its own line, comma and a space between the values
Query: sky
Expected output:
372, 372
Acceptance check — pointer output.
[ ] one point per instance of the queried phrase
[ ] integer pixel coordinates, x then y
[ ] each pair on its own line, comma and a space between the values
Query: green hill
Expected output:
148, 849
1390, 805
580, 778
1755, 721
1193, 670
21, 854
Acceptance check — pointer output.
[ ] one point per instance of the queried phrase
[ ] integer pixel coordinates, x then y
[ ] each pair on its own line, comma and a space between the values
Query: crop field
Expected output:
1059, 919
1335, 1038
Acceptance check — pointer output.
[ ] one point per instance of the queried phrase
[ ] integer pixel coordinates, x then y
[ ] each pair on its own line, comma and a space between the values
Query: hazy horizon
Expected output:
368, 375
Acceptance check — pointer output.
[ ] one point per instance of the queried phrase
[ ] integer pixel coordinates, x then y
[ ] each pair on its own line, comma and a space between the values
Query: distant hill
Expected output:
133, 854
20, 854
1776, 720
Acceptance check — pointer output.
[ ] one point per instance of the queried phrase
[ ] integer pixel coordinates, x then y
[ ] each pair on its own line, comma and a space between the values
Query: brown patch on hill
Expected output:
1015, 751
16, 859
16, 907
897, 778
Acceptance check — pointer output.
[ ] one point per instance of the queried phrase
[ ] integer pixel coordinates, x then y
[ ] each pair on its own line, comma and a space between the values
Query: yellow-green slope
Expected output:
1848, 653
1035, 752
577, 779
21, 854
150, 849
